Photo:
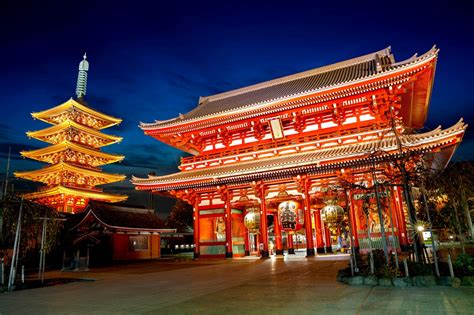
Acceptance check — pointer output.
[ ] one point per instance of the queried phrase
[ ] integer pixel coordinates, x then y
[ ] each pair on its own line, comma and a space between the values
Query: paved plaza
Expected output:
239, 286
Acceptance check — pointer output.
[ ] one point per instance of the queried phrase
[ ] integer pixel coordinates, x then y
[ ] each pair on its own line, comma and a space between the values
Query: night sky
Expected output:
152, 60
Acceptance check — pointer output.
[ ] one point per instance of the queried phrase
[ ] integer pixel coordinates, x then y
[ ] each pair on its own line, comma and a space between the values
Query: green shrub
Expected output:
390, 272
417, 269
464, 265
379, 259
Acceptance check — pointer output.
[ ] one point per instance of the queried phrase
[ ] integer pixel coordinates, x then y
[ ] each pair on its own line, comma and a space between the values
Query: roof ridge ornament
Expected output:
81, 85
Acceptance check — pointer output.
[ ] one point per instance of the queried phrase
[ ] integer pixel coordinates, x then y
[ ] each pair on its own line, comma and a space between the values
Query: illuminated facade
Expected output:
74, 155
296, 161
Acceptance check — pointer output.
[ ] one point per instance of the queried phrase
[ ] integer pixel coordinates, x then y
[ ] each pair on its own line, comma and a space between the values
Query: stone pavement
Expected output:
239, 286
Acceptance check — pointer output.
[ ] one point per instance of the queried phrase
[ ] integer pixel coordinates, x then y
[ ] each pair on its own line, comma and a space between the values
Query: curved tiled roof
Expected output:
72, 125
295, 85
45, 115
320, 156
75, 191
49, 170
66, 145
121, 217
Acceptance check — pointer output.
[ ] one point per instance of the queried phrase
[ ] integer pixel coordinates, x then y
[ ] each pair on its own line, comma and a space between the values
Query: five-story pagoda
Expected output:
74, 155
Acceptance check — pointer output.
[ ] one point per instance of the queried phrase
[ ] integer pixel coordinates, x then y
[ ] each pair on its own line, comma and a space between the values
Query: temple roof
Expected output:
120, 217
326, 78
68, 125
52, 170
75, 104
76, 192
351, 154
65, 145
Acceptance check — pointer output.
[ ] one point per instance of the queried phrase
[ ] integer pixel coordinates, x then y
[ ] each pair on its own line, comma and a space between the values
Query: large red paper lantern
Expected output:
291, 215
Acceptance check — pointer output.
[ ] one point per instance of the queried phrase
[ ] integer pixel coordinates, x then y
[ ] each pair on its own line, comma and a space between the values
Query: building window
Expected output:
138, 242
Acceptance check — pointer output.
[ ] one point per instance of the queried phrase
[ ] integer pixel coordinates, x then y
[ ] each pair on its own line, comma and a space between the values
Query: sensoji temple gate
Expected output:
298, 159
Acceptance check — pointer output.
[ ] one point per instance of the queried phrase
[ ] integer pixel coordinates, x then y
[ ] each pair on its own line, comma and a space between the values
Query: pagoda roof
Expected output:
77, 192
121, 217
75, 104
320, 80
63, 166
69, 124
65, 145
319, 160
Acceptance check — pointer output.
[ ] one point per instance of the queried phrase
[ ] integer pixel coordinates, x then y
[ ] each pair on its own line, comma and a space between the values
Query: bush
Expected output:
464, 265
417, 269
379, 258
389, 272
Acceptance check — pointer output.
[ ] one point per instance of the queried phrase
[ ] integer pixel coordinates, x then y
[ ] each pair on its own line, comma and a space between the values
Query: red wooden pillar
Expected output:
328, 239
277, 232
228, 226
196, 229
400, 215
319, 232
395, 219
307, 221
352, 216
289, 240
264, 223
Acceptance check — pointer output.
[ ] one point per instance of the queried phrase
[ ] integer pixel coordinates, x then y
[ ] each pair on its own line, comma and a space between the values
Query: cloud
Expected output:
151, 155
186, 83
15, 149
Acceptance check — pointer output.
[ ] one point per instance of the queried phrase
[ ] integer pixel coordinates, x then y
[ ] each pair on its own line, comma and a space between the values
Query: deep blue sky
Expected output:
152, 60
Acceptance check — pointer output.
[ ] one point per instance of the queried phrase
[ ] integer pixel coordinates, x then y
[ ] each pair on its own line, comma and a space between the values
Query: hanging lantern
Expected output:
332, 212
291, 215
252, 219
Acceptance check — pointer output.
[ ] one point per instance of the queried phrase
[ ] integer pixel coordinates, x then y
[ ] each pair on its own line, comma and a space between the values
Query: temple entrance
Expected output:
324, 220
335, 238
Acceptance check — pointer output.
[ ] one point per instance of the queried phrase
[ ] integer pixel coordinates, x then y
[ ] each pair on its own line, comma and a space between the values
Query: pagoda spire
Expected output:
81, 86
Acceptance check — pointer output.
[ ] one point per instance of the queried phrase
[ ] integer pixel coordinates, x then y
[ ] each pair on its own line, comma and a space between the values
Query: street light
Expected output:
420, 228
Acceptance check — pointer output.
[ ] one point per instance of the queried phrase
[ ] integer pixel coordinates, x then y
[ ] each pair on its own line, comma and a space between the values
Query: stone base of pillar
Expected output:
247, 253
279, 252
309, 252
196, 255
320, 250
291, 251
329, 249
265, 254
229, 255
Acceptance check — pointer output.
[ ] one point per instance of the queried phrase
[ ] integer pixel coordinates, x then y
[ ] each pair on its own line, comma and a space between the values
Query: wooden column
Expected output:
196, 228
227, 196
289, 240
277, 232
352, 216
260, 191
400, 218
319, 231
264, 226
307, 220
